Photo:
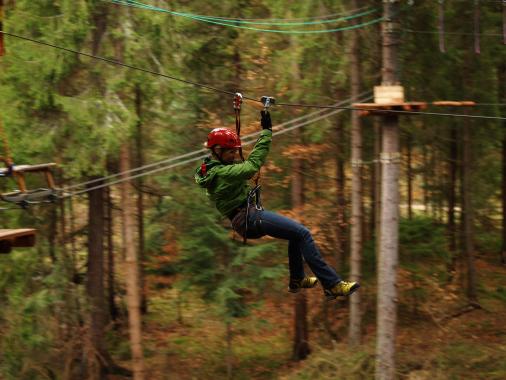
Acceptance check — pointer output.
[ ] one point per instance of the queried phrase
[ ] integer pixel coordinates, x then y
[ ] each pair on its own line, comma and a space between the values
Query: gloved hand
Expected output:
266, 120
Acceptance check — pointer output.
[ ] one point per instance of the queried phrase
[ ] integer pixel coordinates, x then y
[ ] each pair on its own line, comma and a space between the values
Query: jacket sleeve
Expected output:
253, 163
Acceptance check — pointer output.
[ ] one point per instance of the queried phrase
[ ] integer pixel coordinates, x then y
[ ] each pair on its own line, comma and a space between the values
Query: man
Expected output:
226, 184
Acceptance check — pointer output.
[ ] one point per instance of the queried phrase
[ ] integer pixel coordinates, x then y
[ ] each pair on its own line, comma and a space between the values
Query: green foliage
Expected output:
421, 238
34, 305
463, 359
227, 273
76, 111
338, 362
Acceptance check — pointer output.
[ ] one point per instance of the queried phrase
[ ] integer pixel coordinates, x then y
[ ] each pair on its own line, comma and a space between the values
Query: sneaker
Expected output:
307, 282
342, 288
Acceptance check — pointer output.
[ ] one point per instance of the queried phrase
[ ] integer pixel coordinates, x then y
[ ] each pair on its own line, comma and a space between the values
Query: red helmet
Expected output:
223, 137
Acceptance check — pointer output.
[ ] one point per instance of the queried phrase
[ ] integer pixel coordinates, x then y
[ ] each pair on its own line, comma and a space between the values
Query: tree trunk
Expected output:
111, 290
467, 213
63, 233
132, 266
377, 183
230, 353
301, 337
477, 15
409, 179
503, 250
140, 197
73, 248
52, 232
340, 230
452, 199
503, 23
425, 179
388, 257
355, 321
95, 283
501, 72
441, 26
99, 17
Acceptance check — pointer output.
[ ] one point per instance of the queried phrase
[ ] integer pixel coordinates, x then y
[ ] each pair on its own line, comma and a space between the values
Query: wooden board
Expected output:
382, 109
451, 103
24, 237
29, 168
388, 94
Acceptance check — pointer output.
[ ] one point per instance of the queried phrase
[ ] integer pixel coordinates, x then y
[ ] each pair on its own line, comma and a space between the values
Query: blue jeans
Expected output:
301, 246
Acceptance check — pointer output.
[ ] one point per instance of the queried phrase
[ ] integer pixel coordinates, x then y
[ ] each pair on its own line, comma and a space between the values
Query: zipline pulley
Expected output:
267, 101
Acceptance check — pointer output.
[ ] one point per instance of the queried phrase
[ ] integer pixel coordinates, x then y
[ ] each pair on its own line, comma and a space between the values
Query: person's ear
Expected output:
217, 150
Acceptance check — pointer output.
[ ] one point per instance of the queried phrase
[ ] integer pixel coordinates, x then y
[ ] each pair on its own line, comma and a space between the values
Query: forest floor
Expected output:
439, 335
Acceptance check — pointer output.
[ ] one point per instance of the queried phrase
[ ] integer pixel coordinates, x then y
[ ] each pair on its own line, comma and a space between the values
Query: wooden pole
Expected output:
442, 47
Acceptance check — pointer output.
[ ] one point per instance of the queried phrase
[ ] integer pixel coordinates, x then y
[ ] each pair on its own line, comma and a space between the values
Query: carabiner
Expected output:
237, 101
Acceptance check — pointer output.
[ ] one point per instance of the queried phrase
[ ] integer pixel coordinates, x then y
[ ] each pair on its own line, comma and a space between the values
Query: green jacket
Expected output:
226, 185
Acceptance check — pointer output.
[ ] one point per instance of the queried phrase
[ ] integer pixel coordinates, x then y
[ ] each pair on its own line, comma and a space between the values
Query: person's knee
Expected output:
304, 233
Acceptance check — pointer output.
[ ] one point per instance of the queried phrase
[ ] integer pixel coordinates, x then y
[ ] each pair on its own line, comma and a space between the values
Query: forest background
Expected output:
212, 308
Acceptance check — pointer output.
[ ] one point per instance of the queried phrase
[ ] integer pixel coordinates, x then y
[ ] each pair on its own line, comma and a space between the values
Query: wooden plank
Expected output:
29, 168
451, 103
367, 109
24, 237
387, 106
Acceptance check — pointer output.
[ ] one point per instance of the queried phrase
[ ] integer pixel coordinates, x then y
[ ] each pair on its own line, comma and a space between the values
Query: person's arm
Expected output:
258, 155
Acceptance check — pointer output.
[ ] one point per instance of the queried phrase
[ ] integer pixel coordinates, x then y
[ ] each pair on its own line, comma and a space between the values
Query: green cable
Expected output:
236, 21
229, 23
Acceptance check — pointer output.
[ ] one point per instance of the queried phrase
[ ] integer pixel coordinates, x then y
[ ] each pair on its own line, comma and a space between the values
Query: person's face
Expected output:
228, 155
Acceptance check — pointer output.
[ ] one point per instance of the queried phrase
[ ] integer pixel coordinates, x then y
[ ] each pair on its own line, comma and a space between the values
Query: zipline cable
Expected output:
171, 159
299, 105
211, 88
277, 132
115, 62
449, 33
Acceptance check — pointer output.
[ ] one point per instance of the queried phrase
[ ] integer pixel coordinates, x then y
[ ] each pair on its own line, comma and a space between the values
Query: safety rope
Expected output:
236, 24
237, 111
236, 21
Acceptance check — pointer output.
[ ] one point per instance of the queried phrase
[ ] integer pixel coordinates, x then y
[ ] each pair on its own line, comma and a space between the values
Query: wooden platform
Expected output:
383, 108
18, 172
24, 237
29, 168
